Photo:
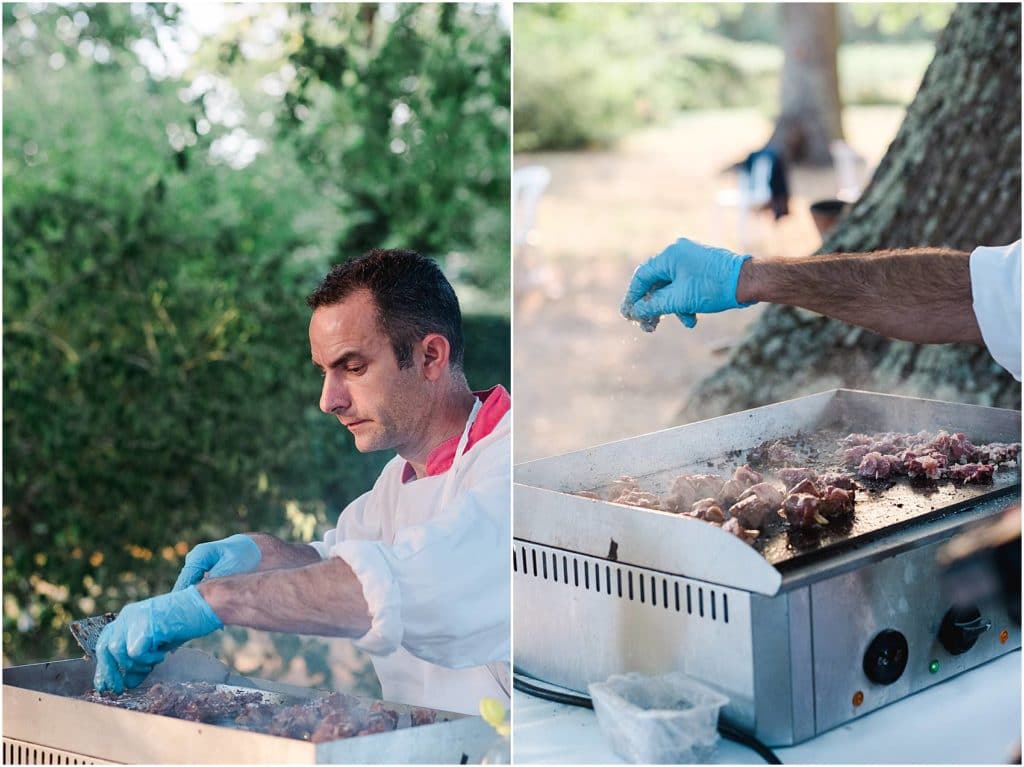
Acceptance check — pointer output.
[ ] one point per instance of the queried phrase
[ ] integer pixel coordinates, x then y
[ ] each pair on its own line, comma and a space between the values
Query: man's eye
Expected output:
356, 369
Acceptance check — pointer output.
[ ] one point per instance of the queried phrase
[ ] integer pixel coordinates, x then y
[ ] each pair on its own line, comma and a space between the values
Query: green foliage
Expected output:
586, 74
890, 22
157, 385
873, 73
416, 125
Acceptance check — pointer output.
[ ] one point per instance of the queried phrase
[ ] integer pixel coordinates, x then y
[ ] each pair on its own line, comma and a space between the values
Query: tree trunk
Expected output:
950, 178
811, 114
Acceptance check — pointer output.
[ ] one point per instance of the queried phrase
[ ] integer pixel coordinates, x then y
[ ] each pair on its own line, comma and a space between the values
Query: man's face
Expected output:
363, 385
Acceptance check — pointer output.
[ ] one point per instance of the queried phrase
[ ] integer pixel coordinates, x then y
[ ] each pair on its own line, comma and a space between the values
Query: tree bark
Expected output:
952, 177
811, 116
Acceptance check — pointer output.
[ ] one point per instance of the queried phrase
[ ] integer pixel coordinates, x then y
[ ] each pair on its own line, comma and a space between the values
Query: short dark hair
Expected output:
412, 295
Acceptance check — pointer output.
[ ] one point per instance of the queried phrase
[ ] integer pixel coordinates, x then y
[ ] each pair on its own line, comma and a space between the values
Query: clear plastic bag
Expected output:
667, 719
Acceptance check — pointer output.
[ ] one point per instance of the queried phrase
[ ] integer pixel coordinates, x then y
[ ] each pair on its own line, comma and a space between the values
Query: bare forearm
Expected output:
324, 598
277, 553
921, 295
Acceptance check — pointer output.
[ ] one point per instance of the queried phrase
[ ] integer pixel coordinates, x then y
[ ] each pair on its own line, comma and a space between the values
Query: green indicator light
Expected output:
934, 667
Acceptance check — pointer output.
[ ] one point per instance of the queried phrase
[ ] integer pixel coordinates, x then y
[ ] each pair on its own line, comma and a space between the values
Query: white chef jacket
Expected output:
995, 286
435, 576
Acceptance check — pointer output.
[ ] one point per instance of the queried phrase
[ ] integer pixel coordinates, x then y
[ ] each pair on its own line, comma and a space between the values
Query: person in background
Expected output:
416, 570
923, 295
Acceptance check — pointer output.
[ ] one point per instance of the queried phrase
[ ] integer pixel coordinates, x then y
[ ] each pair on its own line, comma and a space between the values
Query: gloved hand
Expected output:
144, 632
684, 279
237, 554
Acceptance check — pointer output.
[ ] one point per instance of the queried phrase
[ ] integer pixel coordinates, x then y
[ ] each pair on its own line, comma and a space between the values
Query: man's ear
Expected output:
436, 351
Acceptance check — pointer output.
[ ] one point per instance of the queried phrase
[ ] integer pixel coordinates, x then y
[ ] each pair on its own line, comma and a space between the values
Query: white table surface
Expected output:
973, 718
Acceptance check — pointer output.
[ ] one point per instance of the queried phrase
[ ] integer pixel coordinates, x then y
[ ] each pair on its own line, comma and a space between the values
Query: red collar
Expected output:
494, 403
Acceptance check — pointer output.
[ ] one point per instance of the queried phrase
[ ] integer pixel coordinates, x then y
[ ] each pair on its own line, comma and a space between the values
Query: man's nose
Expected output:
334, 396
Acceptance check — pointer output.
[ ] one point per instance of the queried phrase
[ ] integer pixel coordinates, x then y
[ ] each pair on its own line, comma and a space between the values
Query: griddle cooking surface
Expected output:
881, 505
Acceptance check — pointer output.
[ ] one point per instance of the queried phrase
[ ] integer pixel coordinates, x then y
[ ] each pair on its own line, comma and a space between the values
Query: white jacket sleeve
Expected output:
995, 283
441, 590
352, 522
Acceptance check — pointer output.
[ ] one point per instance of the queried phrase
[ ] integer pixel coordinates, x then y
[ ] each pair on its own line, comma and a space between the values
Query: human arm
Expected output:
276, 553
242, 553
921, 295
323, 598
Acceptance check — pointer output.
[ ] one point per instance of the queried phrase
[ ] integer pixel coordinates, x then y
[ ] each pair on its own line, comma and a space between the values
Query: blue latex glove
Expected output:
685, 279
237, 554
144, 632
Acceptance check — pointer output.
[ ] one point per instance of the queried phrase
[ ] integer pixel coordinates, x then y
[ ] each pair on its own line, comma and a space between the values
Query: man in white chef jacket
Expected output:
923, 295
416, 570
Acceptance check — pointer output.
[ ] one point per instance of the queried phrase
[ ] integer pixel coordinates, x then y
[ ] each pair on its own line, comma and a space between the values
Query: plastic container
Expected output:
667, 719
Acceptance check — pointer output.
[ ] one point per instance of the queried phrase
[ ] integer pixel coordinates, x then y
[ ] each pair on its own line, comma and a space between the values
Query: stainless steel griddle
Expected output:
45, 723
786, 628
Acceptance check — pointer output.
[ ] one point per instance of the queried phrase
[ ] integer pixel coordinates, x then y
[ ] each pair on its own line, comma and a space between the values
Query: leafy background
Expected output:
173, 188
587, 74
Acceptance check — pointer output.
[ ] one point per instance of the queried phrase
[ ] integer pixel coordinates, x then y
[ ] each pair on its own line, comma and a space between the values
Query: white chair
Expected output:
850, 170
752, 192
528, 184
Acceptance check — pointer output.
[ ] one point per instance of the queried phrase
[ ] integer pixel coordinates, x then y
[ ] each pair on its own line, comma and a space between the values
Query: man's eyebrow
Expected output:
346, 357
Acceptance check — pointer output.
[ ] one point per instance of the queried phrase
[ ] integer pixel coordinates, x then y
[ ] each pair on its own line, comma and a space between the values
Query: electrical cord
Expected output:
727, 731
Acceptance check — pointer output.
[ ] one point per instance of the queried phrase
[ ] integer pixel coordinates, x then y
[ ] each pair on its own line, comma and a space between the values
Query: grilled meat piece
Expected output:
806, 486
734, 527
687, 489
772, 452
380, 719
744, 477
997, 452
765, 492
952, 448
960, 447
791, 476
835, 501
422, 716
295, 722
842, 481
874, 465
638, 498
853, 440
707, 509
620, 486
337, 724
852, 456
194, 701
976, 473
256, 718
802, 510
328, 718
731, 491
588, 494
928, 466
750, 512
746, 474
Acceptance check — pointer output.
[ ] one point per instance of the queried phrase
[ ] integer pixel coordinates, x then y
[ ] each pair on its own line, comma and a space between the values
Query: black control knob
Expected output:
886, 657
961, 627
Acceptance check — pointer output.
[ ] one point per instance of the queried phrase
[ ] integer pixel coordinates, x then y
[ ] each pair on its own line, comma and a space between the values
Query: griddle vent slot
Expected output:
22, 752
619, 581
